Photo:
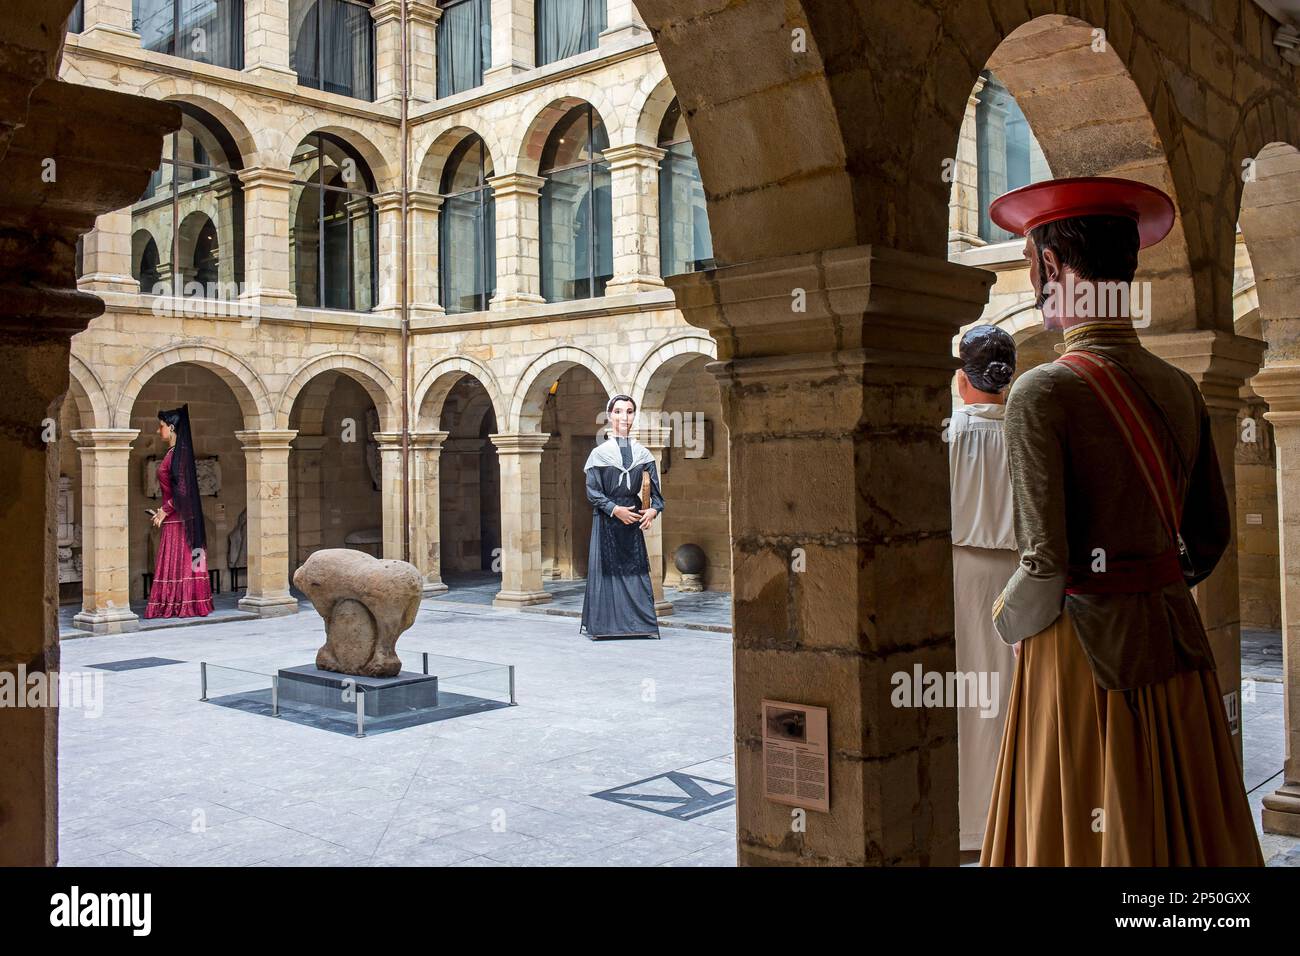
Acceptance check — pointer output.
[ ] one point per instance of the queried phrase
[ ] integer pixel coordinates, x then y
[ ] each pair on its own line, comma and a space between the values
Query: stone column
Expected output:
390, 469
266, 456
267, 269
623, 22
309, 511
835, 372
422, 16
424, 210
1220, 363
513, 40
518, 240
964, 206
634, 187
655, 439
520, 456
1280, 386
266, 40
105, 556
426, 527
107, 255
109, 21
388, 213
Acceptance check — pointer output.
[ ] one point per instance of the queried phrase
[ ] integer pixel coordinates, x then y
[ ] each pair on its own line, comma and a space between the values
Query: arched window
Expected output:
77, 20
566, 27
576, 216
467, 259
332, 46
196, 188
685, 243
464, 44
209, 31
1009, 156
145, 262
332, 226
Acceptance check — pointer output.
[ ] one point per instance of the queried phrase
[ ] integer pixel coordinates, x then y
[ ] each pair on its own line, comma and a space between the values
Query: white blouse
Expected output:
981, 479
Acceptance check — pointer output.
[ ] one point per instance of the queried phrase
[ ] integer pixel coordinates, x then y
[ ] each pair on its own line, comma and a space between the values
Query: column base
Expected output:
505, 71
113, 620
268, 606
518, 300
434, 587
520, 598
663, 608
1281, 813
629, 285
105, 282
621, 32
266, 71
107, 33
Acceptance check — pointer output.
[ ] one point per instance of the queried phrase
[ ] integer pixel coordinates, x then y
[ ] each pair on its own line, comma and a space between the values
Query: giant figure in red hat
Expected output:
1116, 749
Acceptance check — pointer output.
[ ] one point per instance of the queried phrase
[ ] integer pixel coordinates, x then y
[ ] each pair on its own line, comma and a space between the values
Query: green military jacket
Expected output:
1079, 496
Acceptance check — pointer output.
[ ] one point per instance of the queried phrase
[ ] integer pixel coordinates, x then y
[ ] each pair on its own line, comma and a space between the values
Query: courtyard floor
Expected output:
619, 753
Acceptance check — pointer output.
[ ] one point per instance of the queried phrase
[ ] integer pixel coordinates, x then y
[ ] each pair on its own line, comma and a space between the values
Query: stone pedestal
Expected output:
1280, 387
835, 371
520, 456
1220, 363
105, 558
266, 455
380, 696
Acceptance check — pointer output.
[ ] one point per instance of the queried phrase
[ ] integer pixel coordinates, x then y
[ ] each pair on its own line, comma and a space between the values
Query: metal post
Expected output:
361, 713
513, 702
425, 655
275, 695
203, 677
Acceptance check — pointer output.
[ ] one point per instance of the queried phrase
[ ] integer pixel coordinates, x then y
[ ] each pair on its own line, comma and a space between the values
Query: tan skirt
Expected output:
1090, 777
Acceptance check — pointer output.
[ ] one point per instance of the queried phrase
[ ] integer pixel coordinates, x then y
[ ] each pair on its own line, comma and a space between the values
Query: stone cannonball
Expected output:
690, 559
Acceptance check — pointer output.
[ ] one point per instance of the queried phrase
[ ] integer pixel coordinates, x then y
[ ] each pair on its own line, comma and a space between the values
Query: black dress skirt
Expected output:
619, 601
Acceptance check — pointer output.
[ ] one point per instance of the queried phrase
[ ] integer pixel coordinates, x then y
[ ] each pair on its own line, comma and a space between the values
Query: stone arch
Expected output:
246, 384
657, 369
546, 111
1270, 227
440, 149
378, 384
431, 391
530, 393
221, 104
89, 394
382, 169
653, 95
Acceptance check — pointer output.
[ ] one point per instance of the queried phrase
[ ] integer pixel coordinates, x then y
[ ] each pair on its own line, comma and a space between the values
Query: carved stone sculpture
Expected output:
366, 603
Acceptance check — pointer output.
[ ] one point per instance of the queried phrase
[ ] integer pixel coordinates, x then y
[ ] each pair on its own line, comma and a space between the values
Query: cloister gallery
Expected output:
765, 220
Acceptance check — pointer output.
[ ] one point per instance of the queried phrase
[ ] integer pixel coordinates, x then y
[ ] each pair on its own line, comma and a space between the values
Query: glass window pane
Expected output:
77, 20
303, 47
347, 49
685, 243
154, 21
1008, 154
212, 31
304, 243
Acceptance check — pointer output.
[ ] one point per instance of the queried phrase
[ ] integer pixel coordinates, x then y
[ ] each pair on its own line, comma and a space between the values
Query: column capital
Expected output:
632, 154
1279, 385
429, 441
654, 437
520, 443
853, 306
421, 201
509, 184
384, 202
272, 177
108, 439
269, 439
417, 11
1219, 362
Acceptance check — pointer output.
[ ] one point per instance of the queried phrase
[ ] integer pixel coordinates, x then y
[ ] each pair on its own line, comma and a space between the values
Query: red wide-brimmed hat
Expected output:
1029, 206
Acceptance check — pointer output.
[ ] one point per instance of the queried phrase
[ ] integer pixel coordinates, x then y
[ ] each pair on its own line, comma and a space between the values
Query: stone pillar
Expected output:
1280, 387
390, 469
655, 439
267, 269
388, 214
309, 501
513, 39
623, 22
426, 527
1220, 363
964, 204
423, 210
839, 520
422, 17
107, 255
518, 225
520, 456
105, 556
634, 187
266, 40
266, 456
109, 21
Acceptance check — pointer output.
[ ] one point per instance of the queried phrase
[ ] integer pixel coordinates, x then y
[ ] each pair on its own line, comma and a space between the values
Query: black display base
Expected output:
381, 696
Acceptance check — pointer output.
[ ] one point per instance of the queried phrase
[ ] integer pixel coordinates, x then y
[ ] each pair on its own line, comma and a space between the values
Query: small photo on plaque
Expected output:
796, 762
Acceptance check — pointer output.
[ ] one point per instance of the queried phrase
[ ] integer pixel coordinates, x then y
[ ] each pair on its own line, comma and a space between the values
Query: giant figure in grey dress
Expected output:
620, 601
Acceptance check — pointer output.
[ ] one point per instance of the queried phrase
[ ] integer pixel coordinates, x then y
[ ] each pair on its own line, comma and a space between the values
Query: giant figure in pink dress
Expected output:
180, 578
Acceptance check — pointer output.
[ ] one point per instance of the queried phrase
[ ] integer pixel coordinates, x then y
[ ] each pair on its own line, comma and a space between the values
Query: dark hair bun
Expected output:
999, 373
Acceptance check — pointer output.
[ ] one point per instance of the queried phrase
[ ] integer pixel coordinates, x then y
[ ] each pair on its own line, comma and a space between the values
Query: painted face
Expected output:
621, 415
165, 431
1044, 299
